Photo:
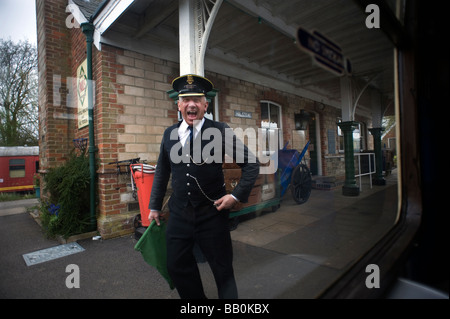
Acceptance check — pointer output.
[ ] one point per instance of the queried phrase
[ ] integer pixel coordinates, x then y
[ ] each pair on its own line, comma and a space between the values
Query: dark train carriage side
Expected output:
18, 165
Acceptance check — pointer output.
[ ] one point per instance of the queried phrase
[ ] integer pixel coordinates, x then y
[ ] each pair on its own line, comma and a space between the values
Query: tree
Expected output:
18, 94
388, 123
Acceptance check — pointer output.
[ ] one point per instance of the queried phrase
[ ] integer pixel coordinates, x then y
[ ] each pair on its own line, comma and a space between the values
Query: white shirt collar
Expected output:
183, 131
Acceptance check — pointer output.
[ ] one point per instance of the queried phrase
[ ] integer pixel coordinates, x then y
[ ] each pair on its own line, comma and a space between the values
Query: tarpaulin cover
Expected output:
152, 246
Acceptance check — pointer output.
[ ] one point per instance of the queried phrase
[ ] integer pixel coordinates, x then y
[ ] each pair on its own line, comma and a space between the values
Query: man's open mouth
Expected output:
192, 113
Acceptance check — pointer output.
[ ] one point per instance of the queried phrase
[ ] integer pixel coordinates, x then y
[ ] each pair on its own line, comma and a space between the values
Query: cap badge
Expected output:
190, 79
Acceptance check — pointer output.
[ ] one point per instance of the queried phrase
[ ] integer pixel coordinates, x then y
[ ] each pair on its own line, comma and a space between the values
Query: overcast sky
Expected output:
18, 20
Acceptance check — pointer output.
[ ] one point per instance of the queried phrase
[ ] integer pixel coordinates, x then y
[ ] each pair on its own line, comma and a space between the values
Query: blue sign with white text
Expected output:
326, 53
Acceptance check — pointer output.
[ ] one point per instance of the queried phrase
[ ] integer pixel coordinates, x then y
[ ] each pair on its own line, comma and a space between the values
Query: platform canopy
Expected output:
256, 41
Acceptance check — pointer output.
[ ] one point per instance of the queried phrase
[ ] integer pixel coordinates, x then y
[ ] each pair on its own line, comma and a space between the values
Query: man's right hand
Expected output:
154, 215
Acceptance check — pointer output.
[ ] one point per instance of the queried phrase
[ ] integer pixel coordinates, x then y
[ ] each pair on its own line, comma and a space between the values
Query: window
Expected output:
332, 238
391, 143
271, 120
17, 167
212, 112
357, 139
340, 136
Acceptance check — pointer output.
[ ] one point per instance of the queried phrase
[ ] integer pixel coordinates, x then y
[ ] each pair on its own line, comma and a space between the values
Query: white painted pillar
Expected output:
187, 37
376, 108
195, 23
346, 99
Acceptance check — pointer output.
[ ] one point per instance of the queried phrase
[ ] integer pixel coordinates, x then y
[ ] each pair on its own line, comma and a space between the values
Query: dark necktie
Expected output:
191, 139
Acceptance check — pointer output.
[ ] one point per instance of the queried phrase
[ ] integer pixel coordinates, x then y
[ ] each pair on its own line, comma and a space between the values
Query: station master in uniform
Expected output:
199, 205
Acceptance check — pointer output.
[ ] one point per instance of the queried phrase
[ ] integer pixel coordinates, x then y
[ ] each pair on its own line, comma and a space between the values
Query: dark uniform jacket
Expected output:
200, 181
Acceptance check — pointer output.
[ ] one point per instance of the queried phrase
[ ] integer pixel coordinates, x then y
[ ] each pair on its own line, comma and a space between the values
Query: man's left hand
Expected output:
226, 202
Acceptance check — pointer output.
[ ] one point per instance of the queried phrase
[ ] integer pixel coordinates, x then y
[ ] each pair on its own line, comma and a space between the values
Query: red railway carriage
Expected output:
18, 165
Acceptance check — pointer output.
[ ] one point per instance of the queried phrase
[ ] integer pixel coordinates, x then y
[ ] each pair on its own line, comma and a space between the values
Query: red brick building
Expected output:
136, 55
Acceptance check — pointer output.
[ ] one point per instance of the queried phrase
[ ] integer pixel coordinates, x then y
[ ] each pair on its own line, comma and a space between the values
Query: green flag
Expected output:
152, 246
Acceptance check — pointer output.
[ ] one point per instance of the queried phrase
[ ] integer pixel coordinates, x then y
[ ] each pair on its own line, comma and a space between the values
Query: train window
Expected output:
17, 167
334, 214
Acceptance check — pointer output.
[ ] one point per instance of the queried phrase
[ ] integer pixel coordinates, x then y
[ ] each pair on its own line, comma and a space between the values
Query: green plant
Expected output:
67, 212
6, 197
36, 181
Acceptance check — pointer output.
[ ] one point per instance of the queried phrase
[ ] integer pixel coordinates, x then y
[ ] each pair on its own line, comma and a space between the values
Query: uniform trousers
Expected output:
207, 227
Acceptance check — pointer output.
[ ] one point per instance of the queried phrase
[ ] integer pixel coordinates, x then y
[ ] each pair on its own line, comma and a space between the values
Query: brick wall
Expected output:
147, 108
54, 61
133, 110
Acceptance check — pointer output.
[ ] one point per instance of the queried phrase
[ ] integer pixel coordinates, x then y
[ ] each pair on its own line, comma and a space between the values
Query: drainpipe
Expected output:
88, 30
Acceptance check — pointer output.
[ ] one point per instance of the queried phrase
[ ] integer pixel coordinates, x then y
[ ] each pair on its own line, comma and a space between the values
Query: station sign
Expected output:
82, 95
324, 52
